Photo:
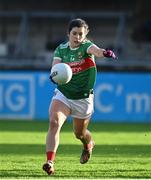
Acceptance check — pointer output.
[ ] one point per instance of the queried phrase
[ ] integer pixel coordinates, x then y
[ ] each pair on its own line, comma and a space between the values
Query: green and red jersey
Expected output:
83, 68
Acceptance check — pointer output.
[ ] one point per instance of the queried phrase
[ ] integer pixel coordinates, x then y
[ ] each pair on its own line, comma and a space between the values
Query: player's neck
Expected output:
73, 47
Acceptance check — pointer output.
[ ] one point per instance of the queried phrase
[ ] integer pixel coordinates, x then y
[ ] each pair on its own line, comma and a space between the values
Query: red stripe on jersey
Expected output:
82, 65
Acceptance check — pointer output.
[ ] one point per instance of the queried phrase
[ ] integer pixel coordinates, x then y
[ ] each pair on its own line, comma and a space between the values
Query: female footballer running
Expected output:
75, 98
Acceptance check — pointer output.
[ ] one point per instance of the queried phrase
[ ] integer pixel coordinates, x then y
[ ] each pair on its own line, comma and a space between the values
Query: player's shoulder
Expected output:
87, 41
63, 45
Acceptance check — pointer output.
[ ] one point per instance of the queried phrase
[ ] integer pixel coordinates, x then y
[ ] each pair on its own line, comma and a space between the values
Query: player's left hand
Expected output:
109, 54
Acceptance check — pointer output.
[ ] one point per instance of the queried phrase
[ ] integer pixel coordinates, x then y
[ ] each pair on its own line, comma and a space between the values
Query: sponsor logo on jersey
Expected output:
72, 58
79, 55
82, 65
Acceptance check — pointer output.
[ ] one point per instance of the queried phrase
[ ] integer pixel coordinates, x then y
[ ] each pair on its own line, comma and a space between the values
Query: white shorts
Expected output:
81, 108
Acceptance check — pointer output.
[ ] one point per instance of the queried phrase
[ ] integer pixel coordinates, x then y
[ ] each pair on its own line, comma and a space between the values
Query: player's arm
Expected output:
57, 58
56, 61
99, 52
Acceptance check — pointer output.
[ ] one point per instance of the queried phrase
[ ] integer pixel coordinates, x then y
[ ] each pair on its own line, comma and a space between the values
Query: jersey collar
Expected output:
72, 48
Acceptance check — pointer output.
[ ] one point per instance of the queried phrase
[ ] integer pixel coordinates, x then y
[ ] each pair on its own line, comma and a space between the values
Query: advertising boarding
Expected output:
118, 97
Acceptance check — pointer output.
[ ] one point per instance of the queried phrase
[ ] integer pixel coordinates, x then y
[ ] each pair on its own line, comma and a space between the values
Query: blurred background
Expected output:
30, 31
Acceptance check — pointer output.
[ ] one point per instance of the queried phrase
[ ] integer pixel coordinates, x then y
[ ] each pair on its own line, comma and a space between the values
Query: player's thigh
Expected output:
58, 111
80, 125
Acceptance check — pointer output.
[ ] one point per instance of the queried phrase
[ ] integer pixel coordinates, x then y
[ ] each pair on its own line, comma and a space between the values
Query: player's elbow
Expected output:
99, 53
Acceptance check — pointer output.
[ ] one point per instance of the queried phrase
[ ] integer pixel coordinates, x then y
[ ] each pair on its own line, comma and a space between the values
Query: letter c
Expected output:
98, 92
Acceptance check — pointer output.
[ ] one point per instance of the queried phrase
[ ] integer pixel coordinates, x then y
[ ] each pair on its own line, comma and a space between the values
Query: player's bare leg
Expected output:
82, 133
58, 113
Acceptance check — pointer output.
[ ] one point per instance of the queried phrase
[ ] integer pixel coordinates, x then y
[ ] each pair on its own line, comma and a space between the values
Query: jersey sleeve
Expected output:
57, 54
87, 45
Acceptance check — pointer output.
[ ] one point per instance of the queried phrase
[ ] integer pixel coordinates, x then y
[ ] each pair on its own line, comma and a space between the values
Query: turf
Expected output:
121, 151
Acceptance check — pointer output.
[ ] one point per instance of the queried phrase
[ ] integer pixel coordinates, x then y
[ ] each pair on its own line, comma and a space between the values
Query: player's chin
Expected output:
76, 43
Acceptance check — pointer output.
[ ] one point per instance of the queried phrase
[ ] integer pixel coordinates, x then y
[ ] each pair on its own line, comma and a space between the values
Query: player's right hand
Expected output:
51, 80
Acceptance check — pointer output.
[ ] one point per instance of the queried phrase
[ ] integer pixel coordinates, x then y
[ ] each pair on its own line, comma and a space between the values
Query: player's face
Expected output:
76, 36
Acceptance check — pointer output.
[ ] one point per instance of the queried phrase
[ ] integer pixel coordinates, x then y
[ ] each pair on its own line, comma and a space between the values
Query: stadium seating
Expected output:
32, 30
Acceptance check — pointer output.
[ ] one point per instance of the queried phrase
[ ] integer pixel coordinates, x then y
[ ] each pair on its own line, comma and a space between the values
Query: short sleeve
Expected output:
87, 44
57, 54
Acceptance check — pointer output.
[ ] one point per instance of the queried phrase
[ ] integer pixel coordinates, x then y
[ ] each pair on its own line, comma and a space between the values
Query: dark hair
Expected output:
77, 23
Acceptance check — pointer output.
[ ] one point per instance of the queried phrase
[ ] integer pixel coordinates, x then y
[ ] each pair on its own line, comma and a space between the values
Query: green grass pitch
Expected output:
121, 151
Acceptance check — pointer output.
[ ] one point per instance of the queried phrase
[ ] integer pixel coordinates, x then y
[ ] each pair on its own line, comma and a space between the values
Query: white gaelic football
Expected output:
61, 73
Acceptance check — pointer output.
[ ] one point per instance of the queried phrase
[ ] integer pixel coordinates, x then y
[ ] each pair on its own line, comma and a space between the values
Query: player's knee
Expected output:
54, 121
54, 124
78, 135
